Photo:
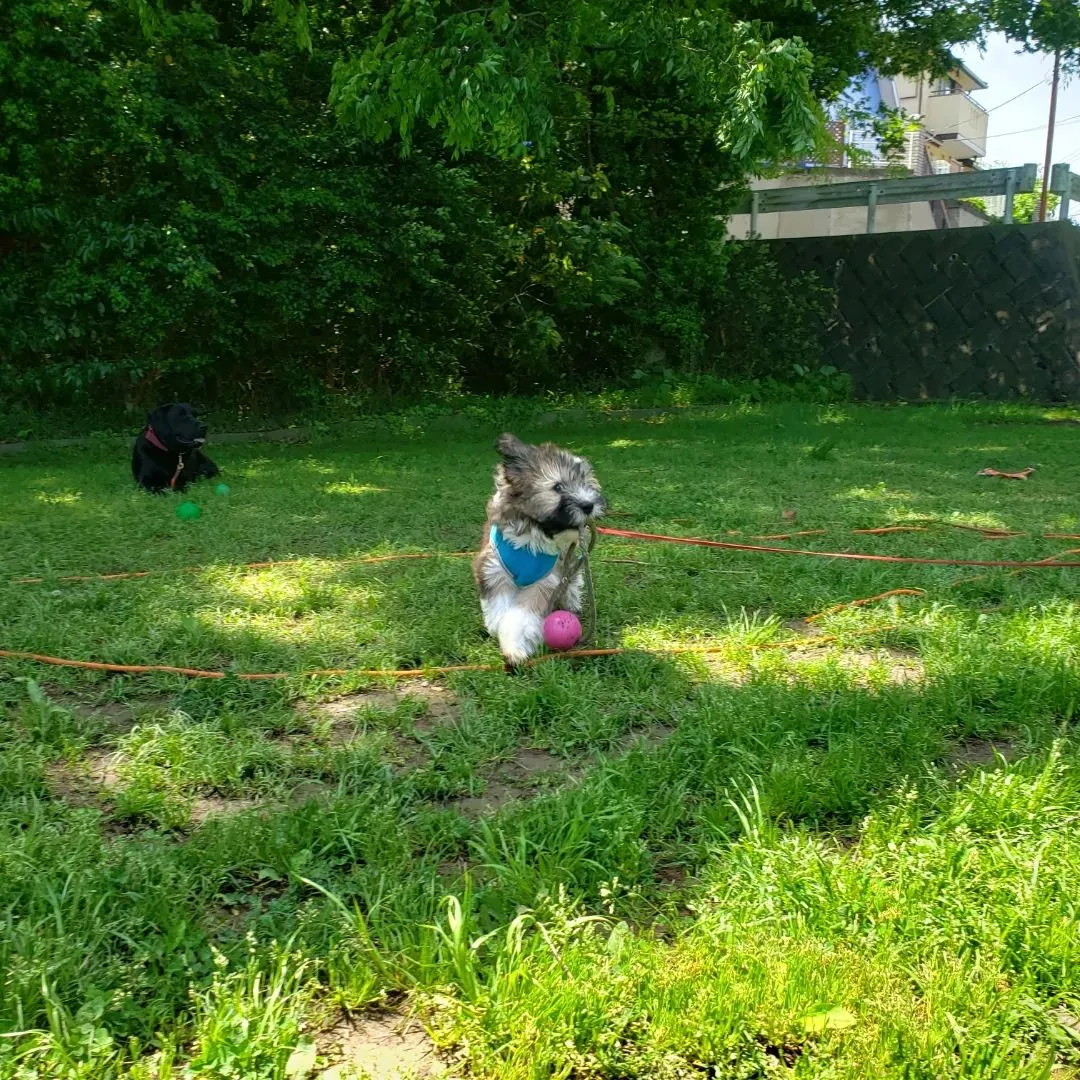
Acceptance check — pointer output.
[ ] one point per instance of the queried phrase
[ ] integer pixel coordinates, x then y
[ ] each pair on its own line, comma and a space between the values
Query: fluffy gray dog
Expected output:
544, 498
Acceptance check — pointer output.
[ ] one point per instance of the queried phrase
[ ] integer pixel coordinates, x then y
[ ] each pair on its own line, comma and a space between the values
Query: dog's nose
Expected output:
586, 508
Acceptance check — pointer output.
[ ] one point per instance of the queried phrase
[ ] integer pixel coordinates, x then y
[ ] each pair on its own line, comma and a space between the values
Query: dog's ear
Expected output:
159, 421
514, 452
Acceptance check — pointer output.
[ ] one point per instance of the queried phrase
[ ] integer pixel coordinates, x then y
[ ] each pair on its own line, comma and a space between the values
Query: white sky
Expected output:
1008, 73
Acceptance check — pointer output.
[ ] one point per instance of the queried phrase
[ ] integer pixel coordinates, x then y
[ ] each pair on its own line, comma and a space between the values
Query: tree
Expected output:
1039, 26
628, 125
1025, 205
1048, 26
531, 71
521, 195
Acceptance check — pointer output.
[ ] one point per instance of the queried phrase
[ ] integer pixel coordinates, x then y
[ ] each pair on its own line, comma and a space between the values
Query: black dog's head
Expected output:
178, 426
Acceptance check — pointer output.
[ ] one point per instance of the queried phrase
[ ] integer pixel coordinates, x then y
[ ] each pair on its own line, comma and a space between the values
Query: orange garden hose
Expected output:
404, 673
866, 600
986, 533
629, 534
882, 529
1049, 560
788, 536
200, 673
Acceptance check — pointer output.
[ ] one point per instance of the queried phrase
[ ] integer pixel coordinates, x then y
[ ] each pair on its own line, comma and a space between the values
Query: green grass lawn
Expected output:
844, 848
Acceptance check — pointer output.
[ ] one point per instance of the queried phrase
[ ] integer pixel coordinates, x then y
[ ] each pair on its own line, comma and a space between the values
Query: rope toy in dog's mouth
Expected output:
576, 563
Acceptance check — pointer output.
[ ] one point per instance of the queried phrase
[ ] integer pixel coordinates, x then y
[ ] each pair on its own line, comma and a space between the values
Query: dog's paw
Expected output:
515, 661
521, 634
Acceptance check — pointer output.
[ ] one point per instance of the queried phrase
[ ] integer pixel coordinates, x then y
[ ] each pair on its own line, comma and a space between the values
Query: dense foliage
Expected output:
519, 196
1025, 206
183, 209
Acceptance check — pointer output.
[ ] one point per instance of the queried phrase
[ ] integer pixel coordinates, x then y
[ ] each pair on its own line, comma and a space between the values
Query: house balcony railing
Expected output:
958, 123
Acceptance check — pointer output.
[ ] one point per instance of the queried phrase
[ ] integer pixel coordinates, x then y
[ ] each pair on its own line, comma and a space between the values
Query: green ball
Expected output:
187, 511
221, 489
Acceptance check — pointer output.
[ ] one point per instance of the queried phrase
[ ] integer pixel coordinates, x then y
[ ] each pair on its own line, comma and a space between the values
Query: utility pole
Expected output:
1050, 136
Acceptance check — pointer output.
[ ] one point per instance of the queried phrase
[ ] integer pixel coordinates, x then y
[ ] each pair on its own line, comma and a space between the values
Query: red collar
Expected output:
153, 440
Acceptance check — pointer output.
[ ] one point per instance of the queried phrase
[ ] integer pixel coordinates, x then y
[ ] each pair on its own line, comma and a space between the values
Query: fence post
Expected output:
755, 209
871, 209
1060, 182
1010, 191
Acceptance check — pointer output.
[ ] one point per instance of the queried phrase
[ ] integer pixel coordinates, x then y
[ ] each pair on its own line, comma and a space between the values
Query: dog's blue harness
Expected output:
525, 567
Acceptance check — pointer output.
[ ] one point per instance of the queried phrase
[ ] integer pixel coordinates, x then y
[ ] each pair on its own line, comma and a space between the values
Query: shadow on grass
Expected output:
819, 746
139, 912
817, 751
702, 476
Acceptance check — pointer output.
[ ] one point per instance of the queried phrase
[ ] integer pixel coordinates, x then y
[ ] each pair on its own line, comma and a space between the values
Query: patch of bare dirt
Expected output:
440, 707
901, 668
226, 918
205, 807
520, 777
408, 754
441, 701
85, 782
803, 628
721, 670
346, 708
671, 876
654, 735
496, 795
975, 753
117, 716
380, 1048
528, 763
786, 1054
1069, 1023
307, 791
442, 704
453, 869
89, 781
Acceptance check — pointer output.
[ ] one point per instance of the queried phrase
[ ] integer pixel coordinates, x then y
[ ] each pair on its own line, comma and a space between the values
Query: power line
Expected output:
1038, 127
1042, 82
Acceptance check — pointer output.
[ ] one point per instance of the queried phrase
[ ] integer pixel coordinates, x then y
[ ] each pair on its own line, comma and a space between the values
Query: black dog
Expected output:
168, 452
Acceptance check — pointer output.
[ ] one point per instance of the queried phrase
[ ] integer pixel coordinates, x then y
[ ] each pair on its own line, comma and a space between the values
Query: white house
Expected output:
950, 137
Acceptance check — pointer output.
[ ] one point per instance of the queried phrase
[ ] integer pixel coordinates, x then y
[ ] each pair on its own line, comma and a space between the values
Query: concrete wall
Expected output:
901, 217
848, 221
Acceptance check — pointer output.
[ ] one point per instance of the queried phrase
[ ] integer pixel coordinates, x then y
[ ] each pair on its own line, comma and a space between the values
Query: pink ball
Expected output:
562, 630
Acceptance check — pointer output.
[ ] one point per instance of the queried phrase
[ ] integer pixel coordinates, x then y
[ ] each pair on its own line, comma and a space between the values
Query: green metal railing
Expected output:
985, 183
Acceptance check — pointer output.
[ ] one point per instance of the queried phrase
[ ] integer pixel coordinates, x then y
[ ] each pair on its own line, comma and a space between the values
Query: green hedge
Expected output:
181, 215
